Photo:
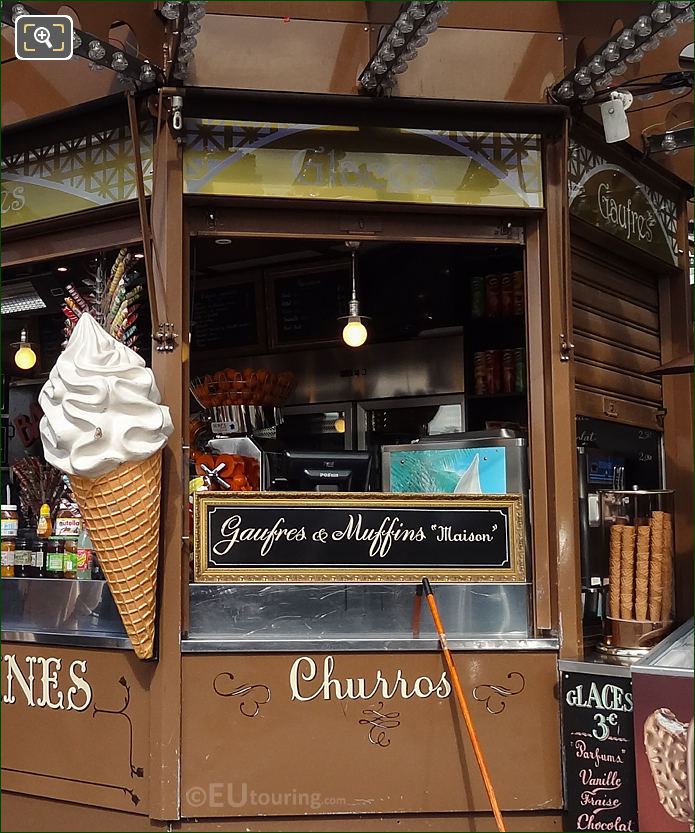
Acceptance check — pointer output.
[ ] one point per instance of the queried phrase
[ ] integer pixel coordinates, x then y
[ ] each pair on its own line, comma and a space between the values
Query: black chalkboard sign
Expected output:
640, 447
307, 302
225, 317
598, 740
358, 537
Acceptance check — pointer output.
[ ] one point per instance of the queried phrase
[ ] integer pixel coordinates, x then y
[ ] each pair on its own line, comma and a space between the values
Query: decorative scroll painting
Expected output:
610, 198
72, 175
331, 162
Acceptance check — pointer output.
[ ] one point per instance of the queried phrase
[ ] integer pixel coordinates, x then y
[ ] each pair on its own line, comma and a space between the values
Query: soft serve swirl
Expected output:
101, 405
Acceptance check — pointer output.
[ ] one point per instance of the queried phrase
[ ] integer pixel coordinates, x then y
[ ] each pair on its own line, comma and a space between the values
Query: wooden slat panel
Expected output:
616, 282
610, 355
617, 382
604, 259
591, 323
615, 307
592, 404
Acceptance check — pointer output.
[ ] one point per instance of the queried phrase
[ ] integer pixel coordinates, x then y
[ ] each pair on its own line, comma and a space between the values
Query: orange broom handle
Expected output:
464, 706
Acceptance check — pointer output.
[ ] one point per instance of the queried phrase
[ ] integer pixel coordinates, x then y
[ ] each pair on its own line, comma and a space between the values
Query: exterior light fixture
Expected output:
170, 10
190, 28
101, 54
96, 50
611, 60
670, 142
119, 62
25, 357
17, 11
147, 73
409, 32
354, 331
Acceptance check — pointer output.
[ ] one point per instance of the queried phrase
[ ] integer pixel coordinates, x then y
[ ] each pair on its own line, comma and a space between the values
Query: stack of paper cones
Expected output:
121, 512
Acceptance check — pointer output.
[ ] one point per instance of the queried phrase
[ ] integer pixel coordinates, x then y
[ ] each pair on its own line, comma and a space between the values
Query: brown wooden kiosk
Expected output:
299, 724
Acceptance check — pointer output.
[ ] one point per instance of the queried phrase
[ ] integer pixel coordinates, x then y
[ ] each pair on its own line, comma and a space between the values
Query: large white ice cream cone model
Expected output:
104, 427
121, 511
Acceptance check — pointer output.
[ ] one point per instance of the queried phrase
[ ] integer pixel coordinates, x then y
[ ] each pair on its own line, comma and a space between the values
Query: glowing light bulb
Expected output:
25, 357
339, 425
354, 332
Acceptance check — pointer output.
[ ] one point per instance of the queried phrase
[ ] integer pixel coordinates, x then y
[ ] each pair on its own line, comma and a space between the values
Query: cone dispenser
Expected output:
638, 535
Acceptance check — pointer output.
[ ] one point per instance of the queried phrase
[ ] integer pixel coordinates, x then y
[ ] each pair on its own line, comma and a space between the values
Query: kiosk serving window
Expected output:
427, 418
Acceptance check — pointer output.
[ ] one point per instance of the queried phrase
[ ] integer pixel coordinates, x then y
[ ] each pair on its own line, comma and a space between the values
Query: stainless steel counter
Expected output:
296, 645
355, 617
61, 612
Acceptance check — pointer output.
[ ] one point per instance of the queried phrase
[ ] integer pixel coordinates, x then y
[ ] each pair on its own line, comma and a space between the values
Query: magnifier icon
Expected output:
42, 35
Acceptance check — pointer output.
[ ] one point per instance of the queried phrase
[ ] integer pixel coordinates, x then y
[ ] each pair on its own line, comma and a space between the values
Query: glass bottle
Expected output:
97, 572
10, 520
70, 558
23, 557
85, 554
7, 558
68, 520
38, 561
54, 558
44, 528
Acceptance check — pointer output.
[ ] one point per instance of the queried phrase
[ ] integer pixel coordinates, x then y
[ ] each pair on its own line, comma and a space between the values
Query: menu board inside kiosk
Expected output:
307, 302
227, 315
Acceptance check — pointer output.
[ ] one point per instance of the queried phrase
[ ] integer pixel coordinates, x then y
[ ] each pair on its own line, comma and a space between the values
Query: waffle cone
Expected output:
121, 512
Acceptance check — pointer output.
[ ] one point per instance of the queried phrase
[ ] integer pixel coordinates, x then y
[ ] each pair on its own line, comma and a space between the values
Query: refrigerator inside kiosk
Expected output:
472, 463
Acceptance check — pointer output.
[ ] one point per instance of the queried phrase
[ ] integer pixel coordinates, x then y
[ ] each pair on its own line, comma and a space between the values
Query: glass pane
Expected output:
315, 431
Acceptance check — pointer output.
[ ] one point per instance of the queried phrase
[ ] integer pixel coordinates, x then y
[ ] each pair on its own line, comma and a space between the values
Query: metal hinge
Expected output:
566, 348
165, 338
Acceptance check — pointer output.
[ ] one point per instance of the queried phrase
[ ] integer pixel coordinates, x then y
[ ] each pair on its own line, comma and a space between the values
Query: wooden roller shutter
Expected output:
616, 336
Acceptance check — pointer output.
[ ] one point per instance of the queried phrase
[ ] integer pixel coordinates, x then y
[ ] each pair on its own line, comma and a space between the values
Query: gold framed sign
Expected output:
305, 537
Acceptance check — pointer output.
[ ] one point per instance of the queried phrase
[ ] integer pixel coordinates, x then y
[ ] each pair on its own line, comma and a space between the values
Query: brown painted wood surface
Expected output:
80, 756
560, 412
677, 334
535, 822
418, 759
31, 813
169, 369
